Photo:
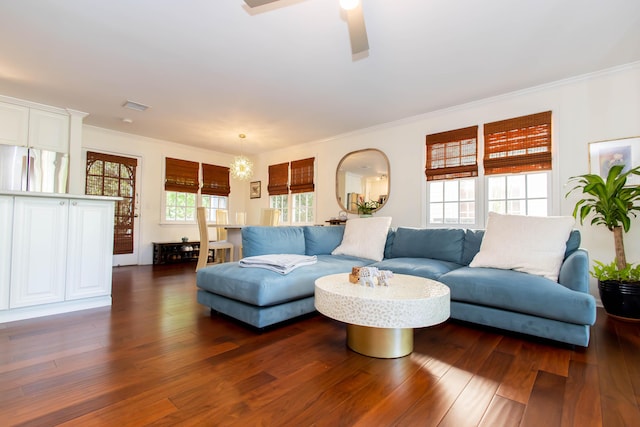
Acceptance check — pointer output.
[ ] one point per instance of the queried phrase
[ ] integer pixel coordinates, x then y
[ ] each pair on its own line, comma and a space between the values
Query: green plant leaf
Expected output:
610, 201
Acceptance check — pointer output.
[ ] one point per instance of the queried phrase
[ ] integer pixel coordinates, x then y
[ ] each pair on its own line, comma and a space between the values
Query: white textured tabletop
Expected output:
408, 302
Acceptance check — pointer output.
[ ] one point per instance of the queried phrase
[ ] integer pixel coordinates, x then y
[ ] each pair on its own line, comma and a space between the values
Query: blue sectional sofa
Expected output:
505, 299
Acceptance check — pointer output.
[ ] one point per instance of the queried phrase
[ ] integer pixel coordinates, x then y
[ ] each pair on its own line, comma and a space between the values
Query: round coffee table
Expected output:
380, 320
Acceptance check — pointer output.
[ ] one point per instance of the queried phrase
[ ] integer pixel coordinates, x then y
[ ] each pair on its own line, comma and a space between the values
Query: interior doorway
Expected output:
111, 175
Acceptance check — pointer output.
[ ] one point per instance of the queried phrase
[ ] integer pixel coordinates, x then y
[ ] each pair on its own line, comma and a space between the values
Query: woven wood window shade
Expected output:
521, 144
109, 175
181, 175
278, 179
452, 154
215, 180
302, 176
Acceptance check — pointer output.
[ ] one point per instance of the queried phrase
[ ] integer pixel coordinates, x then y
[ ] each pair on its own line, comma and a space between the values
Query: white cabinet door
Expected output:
14, 124
49, 131
6, 225
39, 250
90, 249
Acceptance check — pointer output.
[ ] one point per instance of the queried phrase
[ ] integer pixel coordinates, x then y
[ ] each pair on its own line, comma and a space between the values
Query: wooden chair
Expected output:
206, 245
270, 217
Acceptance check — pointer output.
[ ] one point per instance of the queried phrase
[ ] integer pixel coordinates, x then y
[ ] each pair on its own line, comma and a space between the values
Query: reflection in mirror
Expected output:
362, 176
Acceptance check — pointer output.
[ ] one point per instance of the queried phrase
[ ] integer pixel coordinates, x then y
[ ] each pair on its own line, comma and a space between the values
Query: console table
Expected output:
336, 221
173, 252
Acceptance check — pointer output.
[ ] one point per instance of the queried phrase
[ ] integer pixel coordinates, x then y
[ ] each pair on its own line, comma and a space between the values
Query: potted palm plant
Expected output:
613, 204
367, 208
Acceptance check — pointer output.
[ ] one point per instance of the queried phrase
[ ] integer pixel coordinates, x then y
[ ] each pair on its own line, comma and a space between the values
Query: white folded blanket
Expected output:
280, 263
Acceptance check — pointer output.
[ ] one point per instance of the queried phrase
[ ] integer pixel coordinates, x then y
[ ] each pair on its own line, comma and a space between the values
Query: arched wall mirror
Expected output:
362, 176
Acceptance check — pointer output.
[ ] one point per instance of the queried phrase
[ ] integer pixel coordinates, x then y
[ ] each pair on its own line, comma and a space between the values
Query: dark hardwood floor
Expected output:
158, 358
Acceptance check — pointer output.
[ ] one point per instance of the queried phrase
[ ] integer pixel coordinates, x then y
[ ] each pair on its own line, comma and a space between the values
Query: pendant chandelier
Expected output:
241, 168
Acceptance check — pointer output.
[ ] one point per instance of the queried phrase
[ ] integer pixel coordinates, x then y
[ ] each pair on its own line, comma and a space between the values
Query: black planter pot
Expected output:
621, 299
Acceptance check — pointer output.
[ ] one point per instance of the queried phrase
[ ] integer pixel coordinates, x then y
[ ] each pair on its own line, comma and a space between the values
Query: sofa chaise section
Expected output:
262, 297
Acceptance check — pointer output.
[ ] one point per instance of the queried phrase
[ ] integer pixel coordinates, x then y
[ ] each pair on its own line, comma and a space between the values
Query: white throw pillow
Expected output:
530, 244
365, 238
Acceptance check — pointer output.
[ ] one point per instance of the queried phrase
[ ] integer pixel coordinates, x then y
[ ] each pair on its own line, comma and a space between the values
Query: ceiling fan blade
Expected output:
357, 30
256, 3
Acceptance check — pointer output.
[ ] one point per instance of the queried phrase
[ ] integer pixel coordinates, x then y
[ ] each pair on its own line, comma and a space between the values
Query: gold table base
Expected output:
384, 343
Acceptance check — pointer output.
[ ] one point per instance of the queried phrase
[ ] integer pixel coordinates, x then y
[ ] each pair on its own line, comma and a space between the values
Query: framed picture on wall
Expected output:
255, 190
605, 154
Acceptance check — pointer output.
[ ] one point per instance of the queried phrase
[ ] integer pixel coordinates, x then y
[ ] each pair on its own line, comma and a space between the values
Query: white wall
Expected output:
590, 108
151, 154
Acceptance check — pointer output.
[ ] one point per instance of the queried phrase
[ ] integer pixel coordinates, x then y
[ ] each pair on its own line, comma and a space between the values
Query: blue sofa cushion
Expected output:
272, 240
436, 243
389, 244
520, 292
322, 240
423, 267
573, 243
262, 287
472, 242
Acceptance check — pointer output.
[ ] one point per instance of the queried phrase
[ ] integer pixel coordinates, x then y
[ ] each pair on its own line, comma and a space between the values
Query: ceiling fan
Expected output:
355, 22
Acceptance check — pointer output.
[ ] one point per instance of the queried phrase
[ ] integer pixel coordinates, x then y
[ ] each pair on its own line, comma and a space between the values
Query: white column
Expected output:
76, 160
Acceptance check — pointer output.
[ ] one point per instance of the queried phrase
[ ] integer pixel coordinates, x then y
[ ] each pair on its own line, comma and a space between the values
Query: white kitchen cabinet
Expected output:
35, 128
90, 249
6, 224
55, 253
49, 131
14, 124
38, 264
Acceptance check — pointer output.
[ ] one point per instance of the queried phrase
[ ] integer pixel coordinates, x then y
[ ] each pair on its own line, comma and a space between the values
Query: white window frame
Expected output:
526, 198
483, 202
211, 204
281, 202
221, 202
289, 211
457, 202
297, 211
190, 210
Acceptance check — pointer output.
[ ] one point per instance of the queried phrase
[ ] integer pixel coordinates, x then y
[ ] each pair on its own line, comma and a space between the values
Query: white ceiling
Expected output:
283, 73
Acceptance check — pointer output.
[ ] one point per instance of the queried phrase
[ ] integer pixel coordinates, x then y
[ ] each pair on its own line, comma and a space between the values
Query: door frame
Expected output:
134, 257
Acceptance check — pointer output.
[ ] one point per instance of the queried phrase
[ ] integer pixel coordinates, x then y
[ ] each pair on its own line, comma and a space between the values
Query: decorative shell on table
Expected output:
366, 275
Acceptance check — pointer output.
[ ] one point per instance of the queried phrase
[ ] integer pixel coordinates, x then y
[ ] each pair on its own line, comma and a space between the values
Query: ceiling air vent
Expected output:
135, 106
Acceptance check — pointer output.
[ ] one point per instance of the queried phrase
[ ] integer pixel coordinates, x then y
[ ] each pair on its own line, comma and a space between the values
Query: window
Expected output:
302, 172
182, 186
180, 206
522, 194
521, 147
278, 188
452, 154
451, 164
215, 189
181, 175
302, 209
280, 202
215, 180
212, 204
299, 195
522, 144
517, 160
452, 202
278, 179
